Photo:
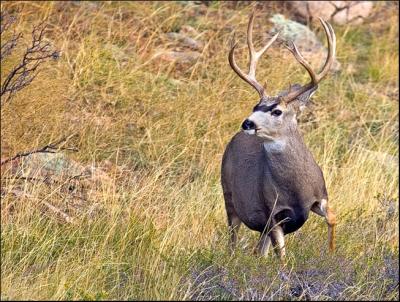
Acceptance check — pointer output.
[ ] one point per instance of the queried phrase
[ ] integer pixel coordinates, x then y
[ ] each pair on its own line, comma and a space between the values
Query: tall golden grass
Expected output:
159, 231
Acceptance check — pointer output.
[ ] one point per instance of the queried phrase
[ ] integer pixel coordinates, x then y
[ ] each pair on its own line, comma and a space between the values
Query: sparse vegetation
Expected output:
155, 227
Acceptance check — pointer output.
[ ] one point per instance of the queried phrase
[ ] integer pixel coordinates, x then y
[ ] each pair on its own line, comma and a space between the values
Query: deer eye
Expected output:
276, 112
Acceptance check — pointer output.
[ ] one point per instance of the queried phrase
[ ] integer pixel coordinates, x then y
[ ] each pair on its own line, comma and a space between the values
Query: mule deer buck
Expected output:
270, 179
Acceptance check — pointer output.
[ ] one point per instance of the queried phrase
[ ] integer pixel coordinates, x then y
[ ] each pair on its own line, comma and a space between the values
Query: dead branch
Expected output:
26, 70
50, 148
6, 21
9, 45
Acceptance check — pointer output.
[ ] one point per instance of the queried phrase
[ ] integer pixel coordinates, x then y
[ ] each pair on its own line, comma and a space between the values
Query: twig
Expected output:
50, 148
50, 207
45, 180
57, 211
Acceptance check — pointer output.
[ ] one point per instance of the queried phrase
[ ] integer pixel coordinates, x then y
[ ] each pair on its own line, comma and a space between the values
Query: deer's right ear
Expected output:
304, 98
301, 101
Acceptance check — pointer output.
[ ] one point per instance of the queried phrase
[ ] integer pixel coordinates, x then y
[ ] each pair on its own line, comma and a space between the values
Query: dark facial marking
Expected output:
264, 108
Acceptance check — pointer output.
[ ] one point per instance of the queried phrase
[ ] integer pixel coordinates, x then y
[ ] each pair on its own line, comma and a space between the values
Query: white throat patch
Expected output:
275, 146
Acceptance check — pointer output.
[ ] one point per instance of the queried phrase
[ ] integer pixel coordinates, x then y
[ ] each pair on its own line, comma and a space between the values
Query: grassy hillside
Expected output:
154, 225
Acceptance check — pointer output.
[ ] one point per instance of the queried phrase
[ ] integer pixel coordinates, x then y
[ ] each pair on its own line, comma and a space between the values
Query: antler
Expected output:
254, 57
315, 78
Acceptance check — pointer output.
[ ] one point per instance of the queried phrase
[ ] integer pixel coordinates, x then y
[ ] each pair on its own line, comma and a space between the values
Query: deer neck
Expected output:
290, 146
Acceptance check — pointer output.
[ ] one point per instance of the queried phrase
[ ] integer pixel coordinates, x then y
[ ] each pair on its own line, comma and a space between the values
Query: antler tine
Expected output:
252, 52
254, 57
315, 78
331, 48
240, 73
303, 62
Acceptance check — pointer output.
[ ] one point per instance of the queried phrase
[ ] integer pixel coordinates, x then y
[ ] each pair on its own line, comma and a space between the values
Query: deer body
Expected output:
265, 184
269, 177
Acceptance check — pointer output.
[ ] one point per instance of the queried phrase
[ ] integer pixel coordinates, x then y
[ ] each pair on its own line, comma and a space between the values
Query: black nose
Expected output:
248, 125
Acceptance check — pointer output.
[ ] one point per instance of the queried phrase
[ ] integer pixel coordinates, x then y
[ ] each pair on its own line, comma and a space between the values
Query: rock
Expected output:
184, 57
339, 12
184, 47
47, 165
306, 41
354, 13
56, 166
306, 10
184, 40
189, 31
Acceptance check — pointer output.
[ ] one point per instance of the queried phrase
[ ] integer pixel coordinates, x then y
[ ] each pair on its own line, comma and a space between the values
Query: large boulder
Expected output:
339, 12
306, 41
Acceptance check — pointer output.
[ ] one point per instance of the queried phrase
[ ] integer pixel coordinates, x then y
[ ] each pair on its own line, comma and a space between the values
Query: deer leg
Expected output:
323, 209
278, 241
233, 226
263, 244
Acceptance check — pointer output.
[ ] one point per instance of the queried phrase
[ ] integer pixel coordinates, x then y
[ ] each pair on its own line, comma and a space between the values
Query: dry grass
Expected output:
160, 228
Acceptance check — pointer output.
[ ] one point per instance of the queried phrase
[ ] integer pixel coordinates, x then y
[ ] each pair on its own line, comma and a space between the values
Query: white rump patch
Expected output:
323, 205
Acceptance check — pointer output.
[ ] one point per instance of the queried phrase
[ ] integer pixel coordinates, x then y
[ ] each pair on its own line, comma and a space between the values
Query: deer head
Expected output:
274, 116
